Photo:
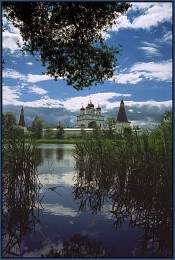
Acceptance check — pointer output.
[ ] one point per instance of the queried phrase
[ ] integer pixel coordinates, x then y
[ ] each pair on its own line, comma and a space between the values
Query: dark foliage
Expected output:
67, 37
134, 175
79, 246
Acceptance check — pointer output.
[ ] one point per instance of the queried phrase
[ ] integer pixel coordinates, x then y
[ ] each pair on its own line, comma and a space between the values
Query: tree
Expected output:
127, 131
109, 127
67, 37
92, 124
167, 117
8, 120
36, 127
9, 125
60, 132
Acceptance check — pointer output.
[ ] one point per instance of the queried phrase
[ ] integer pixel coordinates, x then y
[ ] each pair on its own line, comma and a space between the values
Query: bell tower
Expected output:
122, 117
21, 120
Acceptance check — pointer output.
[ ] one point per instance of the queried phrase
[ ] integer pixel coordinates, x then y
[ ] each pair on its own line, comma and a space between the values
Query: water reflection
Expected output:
56, 166
19, 196
142, 203
49, 153
101, 191
79, 246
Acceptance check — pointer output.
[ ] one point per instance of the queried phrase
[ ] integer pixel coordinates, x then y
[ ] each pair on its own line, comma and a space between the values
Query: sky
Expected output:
143, 78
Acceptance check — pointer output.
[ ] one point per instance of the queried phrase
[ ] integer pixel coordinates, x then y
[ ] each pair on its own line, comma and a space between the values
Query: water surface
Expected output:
59, 219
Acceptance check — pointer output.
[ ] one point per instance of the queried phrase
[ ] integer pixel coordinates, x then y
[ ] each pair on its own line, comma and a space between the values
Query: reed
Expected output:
134, 173
20, 192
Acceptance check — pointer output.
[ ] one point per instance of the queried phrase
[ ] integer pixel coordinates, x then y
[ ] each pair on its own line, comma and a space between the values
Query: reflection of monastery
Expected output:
88, 118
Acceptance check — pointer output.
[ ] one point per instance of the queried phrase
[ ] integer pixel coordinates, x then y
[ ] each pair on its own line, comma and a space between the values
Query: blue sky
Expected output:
143, 77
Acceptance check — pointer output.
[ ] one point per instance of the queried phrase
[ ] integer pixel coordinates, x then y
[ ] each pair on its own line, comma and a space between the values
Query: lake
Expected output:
57, 219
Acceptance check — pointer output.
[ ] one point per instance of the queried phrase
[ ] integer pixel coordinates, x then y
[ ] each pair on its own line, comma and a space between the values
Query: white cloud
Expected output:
106, 35
10, 95
151, 16
150, 51
44, 102
106, 101
127, 78
160, 71
12, 74
103, 99
149, 103
70, 104
30, 78
167, 37
10, 37
142, 5
37, 90
29, 63
37, 78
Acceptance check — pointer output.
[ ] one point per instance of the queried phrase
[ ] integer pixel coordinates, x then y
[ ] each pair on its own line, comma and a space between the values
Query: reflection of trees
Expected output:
38, 156
20, 187
79, 246
49, 153
59, 154
136, 179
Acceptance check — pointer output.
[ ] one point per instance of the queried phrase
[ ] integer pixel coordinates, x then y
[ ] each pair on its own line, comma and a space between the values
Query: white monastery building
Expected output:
89, 117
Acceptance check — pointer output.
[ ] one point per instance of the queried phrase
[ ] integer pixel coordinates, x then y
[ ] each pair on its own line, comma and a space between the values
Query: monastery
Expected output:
88, 118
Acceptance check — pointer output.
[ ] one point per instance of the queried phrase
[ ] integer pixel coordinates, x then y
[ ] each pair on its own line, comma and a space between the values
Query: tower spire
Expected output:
122, 117
21, 120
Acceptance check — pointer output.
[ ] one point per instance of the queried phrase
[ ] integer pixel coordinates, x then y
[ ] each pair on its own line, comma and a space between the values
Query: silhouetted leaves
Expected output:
67, 37
79, 246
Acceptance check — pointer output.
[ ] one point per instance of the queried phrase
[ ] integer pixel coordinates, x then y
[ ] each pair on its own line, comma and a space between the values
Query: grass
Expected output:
135, 173
55, 141
20, 189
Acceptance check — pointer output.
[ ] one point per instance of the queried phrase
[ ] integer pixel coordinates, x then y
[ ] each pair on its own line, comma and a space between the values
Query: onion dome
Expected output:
90, 104
82, 108
98, 108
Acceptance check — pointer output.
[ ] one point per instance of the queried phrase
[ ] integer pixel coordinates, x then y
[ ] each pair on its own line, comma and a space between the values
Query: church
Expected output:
90, 117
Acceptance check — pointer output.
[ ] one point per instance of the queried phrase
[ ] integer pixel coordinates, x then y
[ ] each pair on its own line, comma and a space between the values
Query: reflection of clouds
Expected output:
44, 250
59, 210
68, 178
91, 233
57, 179
107, 211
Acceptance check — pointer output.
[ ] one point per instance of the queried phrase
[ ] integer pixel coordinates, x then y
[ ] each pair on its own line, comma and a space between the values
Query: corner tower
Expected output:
122, 117
21, 120
122, 120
